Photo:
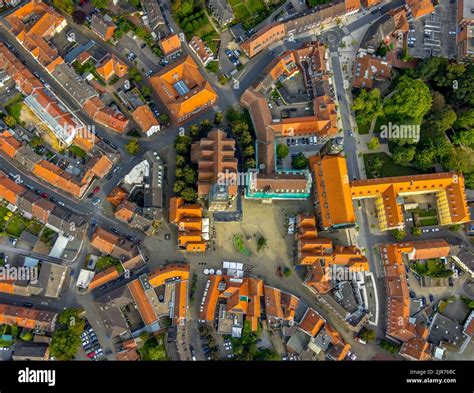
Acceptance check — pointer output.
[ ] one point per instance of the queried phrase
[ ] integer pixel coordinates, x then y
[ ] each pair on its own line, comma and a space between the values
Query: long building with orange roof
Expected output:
188, 218
448, 190
398, 325
183, 90
28, 318
332, 193
217, 168
33, 25
97, 167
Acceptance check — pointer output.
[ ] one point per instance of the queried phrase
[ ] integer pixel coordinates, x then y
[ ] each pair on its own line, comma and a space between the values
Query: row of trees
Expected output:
242, 129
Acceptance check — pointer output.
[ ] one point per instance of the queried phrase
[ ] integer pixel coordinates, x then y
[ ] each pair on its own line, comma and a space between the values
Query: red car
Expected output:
44, 195
96, 190
91, 355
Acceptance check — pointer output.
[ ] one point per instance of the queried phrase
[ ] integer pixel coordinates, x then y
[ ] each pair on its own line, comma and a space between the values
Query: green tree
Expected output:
180, 161
100, 4
65, 5
465, 119
164, 118
79, 17
218, 117
415, 231
410, 102
367, 106
194, 130
374, 143
282, 151
249, 151
133, 147
367, 334
189, 175
232, 115
189, 195
429, 67
300, 161
261, 243
178, 186
438, 122
206, 125
27, 336
157, 353
403, 155
10, 121
399, 234
182, 144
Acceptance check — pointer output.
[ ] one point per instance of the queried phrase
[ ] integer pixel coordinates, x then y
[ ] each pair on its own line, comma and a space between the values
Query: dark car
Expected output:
90, 195
431, 298
28, 304
109, 176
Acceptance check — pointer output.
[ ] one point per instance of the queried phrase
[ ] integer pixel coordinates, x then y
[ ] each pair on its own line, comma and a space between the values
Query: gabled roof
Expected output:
170, 44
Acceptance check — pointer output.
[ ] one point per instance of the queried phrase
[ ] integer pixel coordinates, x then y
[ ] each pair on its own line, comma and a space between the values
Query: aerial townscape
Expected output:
236, 180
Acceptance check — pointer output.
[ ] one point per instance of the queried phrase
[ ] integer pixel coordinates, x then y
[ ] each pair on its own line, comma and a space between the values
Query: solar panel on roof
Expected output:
181, 88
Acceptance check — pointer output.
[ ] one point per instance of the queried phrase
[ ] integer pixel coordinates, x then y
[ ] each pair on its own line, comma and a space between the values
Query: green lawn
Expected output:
427, 213
381, 120
428, 222
15, 226
363, 128
389, 168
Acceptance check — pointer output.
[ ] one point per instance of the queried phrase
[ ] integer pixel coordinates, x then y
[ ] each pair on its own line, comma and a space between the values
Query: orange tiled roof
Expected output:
333, 192
215, 156
420, 8
104, 240
125, 211
104, 277
144, 118
8, 144
183, 89
448, 187
312, 322
117, 196
112, 66
101, 167
9, 189
170, 44
369, 68
144, 306
161, 275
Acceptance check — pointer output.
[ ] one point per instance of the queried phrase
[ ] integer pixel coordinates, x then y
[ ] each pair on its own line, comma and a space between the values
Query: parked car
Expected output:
431, 298
96, 201
96, 190
44, 195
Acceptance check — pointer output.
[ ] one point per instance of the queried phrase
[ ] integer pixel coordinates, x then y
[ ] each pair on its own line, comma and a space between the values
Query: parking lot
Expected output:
435, 34
91, 344
308, 145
